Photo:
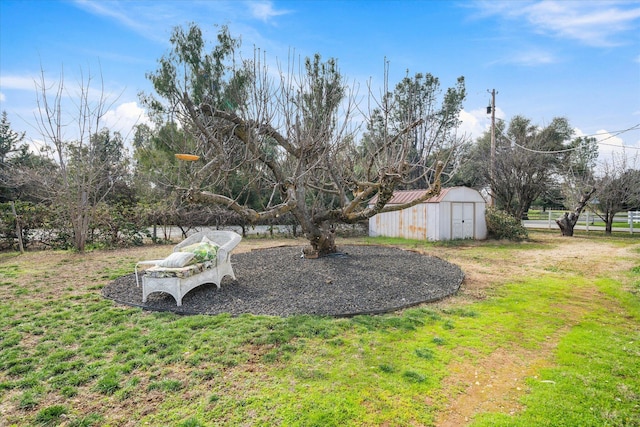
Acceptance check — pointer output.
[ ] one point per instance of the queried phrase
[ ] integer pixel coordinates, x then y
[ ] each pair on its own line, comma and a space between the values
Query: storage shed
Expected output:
456, 213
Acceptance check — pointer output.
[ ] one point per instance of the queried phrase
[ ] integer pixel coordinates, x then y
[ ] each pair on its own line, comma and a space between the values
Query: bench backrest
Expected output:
227, 240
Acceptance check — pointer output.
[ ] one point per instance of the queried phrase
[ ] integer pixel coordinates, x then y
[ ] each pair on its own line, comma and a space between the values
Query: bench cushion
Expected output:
180, 272
177, 259
204, 251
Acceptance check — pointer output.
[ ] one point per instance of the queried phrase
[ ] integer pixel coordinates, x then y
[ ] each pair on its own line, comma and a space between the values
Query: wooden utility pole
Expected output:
493, 145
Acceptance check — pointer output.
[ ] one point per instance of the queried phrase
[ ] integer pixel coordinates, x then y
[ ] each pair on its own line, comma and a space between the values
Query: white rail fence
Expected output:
588, 221
633, 217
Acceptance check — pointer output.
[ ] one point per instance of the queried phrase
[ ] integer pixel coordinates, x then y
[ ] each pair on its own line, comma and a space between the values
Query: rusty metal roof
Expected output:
406, 196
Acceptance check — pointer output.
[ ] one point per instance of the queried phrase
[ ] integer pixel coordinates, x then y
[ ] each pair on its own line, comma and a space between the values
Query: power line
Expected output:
566, 150
616, 132
621, 146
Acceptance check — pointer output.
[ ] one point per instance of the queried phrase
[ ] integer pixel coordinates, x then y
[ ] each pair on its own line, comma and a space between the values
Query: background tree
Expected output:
293, 134
568, 221
13, 152
530, 161
88, 160
577, 181
9, 143
618, 189
10, 140
413, 99
474, 159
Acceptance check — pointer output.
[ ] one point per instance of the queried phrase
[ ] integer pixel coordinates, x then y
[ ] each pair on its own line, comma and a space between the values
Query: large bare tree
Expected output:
296, 131
84, 159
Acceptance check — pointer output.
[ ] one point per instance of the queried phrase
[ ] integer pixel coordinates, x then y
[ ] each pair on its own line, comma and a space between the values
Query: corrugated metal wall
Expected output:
408, 223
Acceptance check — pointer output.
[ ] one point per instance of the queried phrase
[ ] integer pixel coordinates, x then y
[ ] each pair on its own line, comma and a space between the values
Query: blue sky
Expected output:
579, 60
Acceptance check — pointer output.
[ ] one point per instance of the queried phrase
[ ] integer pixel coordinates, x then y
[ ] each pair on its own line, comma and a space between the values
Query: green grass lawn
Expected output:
544, 333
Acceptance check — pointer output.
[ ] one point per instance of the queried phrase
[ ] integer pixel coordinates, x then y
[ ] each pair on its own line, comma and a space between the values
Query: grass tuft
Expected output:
51, 415
425, 353
387, 369
439, 341
166, 385
414, 376
109, 383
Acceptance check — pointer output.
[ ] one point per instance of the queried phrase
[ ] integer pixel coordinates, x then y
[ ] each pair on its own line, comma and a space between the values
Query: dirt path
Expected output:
497, 382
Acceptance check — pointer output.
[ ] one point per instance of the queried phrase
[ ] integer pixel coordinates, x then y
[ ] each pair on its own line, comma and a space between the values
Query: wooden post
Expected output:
586, 225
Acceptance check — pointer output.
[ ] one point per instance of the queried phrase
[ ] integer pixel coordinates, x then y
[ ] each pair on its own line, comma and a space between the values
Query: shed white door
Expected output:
462, 215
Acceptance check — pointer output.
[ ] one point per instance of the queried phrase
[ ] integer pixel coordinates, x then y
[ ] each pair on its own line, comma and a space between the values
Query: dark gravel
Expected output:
278, 282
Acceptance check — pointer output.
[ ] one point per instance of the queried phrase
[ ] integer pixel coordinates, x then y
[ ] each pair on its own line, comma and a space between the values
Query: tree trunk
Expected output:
568, 221
609, 223
322, 242
18, 227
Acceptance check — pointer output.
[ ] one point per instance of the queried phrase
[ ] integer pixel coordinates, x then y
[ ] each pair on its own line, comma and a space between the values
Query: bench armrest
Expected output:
147, 262
233, 241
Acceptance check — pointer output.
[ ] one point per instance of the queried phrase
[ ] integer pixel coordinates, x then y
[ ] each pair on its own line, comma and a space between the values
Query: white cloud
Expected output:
124, 117
476, 122
594, 23
16, 82
129, 17
2, 97
531, 57
34, 84
100, 8
75, 87
264, 10
147, 17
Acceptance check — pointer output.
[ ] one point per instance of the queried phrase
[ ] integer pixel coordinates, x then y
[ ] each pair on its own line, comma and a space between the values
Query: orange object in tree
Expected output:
187, 157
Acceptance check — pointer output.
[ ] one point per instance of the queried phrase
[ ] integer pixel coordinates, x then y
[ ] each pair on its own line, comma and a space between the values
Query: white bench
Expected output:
179, 281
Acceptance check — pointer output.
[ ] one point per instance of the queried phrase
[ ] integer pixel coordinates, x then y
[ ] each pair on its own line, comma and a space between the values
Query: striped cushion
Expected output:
181, 272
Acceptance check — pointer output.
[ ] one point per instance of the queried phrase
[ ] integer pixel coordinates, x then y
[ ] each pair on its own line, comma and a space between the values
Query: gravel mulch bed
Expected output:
278, 282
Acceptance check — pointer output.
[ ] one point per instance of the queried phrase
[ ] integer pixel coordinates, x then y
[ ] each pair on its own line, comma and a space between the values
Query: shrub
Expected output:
501, 225
31, 217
